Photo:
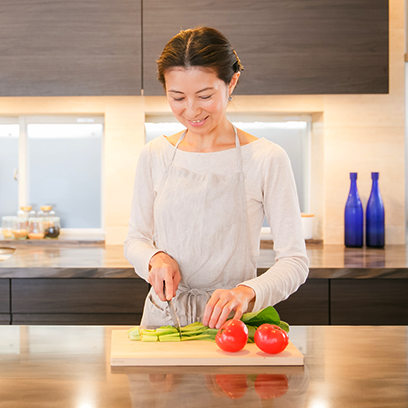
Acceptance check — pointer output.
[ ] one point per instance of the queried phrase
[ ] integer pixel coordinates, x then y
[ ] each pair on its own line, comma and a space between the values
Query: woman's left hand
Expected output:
223, 302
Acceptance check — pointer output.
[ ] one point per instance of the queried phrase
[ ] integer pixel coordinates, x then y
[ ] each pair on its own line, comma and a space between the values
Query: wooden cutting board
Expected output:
125, 352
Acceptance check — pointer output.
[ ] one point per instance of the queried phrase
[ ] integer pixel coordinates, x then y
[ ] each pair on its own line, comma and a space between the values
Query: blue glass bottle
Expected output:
375, 234
353, 217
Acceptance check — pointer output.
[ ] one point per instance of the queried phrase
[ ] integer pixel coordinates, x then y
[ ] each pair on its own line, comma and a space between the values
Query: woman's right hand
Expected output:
163, 268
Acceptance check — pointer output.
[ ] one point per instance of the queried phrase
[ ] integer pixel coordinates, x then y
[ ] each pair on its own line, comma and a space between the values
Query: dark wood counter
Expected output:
100, 261
65, 367
94, 284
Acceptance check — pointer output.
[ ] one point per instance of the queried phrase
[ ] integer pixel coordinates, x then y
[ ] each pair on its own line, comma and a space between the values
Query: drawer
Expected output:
76, 319
4, 295
369, 301
50, 296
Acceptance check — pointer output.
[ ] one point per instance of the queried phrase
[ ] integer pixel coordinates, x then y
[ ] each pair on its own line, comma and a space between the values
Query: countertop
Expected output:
107, 261
65, 367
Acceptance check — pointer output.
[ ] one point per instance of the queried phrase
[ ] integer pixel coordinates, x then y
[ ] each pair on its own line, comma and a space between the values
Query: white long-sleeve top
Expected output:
270, 191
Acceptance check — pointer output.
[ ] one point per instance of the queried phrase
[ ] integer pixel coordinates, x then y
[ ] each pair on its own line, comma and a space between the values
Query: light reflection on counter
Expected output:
90, 341
10, 340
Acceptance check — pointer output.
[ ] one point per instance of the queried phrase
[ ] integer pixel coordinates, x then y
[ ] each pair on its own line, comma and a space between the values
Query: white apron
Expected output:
202, 222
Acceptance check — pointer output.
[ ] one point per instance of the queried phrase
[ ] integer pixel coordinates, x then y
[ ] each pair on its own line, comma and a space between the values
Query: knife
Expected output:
172, 310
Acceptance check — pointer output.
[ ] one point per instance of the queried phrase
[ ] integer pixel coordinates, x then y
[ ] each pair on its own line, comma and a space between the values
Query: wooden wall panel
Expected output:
286, 47
74, 47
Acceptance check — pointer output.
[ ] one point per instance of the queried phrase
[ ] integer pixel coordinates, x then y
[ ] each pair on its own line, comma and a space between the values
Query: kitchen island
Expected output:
68, 366
68, 283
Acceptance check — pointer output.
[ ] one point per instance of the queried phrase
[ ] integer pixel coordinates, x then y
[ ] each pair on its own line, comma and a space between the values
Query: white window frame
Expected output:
23, 176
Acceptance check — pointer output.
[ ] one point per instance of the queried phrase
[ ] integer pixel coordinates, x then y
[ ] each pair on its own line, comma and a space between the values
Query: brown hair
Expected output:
200, 47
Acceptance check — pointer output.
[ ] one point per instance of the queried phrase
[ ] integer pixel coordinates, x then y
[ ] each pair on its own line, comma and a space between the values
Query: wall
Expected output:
365, 133
361, 133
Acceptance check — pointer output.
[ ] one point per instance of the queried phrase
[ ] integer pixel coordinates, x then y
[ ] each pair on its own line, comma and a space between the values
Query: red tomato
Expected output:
232, 336
271, 339
269, 386
233, 385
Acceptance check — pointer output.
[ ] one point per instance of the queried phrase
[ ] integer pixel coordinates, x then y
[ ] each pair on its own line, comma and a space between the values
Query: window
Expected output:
53, 161
9, 132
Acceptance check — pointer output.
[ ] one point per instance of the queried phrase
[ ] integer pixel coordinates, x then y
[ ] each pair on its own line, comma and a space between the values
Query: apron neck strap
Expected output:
237, 144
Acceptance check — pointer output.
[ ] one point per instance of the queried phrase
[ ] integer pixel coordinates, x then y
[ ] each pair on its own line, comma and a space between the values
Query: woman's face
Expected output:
197, 97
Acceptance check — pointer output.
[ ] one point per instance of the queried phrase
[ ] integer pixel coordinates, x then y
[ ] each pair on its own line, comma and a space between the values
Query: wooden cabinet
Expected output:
78, 301
5, 301
308, 306
117, 301
58, 47
95, 47
369, 301
286, 47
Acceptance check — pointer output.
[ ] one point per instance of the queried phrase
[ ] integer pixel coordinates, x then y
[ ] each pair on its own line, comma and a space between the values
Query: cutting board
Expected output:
125, 352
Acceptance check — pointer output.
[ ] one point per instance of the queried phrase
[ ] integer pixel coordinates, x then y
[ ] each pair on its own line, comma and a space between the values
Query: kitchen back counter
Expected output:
100, 261
94, 284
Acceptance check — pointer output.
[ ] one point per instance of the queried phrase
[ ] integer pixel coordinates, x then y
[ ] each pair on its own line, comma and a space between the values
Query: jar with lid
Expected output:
26, 211
52, 227
7, 226
35, 228
46, 211
20, 229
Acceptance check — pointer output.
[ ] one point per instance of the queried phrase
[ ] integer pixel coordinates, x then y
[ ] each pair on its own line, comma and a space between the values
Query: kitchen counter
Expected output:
54, 366
94, 284
98, 261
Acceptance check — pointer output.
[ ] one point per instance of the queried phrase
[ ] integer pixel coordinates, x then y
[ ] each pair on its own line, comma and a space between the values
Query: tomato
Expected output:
269, 386
232, 385
271, 339
232, 336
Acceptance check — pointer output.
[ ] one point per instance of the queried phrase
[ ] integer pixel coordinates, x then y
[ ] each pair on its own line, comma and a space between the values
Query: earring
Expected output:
230, 98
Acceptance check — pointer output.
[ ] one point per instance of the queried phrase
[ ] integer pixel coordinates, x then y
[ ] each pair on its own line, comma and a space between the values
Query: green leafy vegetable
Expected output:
267, 315
197, 331
284, 326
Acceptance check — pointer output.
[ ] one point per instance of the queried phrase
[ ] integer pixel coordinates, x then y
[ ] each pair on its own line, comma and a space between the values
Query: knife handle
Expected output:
164, 290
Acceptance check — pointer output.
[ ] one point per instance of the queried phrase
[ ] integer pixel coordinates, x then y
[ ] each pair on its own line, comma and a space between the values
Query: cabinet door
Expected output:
75, 47
308, 306
78, 301
4, 301
369, 301
286, 47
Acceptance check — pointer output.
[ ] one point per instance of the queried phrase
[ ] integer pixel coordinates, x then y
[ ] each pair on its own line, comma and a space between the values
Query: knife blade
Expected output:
173, 313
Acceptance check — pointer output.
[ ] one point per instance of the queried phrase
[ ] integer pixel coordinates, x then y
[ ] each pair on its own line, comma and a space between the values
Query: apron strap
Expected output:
177, 144
237, 145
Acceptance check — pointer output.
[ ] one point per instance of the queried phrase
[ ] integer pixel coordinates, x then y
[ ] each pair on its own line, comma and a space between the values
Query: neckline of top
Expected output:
218, 151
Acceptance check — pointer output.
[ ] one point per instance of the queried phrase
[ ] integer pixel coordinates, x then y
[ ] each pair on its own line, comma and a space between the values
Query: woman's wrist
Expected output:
154, 258
250, 294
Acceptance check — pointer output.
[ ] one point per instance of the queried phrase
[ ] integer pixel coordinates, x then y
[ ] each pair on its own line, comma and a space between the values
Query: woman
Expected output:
201, 195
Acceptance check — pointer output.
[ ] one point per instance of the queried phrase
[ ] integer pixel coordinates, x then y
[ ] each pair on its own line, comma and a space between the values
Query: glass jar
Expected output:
20, 230
26, 211
7, 226
46, 211
52, 227
35, 228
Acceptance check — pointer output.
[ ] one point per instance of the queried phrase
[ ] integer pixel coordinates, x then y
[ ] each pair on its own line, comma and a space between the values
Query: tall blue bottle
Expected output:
375, 234
353, 217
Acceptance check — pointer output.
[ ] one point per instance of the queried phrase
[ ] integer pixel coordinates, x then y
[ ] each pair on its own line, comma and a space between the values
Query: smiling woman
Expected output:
201, 196
199, 71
